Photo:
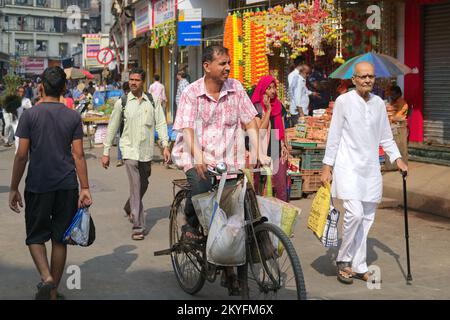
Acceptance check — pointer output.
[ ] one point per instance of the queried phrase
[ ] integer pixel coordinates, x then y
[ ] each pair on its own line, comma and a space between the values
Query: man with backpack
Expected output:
140, 115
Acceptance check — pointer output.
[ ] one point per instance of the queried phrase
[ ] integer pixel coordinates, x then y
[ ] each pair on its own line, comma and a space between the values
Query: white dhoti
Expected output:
358, 219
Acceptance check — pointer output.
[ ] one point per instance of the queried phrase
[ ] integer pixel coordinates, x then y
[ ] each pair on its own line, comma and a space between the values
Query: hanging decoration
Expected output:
338, 27
284, 32
255, 62
247, 50
233, 39
296, 28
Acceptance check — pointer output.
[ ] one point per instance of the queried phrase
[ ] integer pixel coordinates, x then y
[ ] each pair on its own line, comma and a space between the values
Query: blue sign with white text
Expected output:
189, 33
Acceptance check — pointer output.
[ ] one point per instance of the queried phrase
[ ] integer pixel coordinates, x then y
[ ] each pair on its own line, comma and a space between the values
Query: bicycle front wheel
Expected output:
187, 259
273, 267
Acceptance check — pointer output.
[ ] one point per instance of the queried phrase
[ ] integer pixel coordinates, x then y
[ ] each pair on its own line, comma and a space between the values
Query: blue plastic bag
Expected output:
81, 230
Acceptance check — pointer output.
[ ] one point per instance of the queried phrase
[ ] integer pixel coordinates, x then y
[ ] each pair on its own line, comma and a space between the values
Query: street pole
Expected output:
175, 69
125, 47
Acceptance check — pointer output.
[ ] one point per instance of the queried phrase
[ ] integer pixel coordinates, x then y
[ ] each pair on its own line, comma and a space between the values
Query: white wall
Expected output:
211, 9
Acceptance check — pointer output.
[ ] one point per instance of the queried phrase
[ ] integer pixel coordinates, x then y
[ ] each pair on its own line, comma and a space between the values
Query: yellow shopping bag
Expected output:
319, 211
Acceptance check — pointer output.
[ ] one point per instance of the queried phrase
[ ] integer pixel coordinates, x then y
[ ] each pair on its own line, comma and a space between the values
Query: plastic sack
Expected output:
225, 245
319, 211
278, 212
81, 230
204, 204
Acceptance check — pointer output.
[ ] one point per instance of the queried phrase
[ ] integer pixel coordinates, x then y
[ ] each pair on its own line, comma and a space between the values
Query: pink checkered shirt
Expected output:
217, 124
158, 92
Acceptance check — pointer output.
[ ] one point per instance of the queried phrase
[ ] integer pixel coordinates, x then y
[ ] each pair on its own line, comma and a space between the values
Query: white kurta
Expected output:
357, 130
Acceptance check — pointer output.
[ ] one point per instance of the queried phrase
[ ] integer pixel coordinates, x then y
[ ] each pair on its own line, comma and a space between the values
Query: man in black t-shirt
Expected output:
51, 136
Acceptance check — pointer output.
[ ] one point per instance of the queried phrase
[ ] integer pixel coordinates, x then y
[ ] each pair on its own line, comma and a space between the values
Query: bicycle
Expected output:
261, 277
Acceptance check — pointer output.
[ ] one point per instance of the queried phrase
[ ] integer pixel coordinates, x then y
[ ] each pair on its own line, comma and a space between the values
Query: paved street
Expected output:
116, 267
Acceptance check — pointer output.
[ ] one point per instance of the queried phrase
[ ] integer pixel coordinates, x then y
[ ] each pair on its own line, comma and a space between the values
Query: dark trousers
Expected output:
198, 185
294, 119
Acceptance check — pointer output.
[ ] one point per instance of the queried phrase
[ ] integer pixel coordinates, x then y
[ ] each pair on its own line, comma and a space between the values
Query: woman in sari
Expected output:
271, 125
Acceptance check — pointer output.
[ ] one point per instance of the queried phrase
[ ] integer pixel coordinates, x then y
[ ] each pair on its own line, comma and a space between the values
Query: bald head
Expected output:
364, 67
305, 70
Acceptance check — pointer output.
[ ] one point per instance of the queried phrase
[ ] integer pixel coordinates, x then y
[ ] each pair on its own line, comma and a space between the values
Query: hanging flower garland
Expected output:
247, 50
239, 52
339, 58
233, 42
228, 39
260, 62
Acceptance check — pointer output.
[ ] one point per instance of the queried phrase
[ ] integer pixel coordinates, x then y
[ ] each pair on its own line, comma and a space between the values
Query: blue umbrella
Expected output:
385, 66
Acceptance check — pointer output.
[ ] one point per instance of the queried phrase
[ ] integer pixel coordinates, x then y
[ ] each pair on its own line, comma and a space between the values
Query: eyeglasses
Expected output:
370, 76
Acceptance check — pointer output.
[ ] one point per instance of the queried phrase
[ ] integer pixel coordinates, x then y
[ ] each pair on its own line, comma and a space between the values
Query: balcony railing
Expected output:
25, 53
41, 53
39, 3
27, 3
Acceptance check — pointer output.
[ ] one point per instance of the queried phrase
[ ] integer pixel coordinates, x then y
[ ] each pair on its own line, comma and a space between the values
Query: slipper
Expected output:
44, 289
137, 236
60, 296
344, 272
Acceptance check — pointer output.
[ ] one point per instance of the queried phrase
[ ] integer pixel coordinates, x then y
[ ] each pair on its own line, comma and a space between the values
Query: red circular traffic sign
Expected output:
105, 56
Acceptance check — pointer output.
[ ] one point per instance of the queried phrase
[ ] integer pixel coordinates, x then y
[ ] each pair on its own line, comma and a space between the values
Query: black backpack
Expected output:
124, 104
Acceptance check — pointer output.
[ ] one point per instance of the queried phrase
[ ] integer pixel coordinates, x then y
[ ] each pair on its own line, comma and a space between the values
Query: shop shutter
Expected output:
437, 74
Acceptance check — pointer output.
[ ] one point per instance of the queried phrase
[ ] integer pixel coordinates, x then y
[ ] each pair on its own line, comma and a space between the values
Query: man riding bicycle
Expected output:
210, 115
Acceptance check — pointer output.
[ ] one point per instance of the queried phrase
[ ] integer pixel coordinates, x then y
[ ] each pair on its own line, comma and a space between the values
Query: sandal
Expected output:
362, 276
344, 272
137, 235
44, 289
190, 233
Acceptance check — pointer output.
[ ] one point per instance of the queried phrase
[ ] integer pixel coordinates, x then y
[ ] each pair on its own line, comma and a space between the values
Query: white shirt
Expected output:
357, 130
292, 82
303, 94
298, 92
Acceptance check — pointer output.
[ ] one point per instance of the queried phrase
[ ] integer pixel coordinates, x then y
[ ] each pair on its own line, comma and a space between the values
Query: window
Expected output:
39, 23
63, 49
41, 3
41, 45
21, 23
23, 47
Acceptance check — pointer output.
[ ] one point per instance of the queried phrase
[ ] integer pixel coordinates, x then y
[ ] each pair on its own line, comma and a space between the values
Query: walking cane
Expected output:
405, 203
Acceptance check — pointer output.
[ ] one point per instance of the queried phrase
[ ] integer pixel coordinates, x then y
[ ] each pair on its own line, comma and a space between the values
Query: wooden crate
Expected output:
311, 180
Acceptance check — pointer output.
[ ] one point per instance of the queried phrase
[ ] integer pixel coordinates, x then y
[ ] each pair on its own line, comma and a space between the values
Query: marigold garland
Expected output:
233, 41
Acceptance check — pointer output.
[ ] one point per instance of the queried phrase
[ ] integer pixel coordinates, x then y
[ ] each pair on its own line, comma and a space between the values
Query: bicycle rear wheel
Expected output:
187, 258
273, 270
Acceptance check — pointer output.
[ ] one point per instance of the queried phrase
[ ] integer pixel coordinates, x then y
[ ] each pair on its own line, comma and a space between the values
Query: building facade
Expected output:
40, 33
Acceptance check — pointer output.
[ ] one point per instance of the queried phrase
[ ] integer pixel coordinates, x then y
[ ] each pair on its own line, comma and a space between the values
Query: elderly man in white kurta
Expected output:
358, 127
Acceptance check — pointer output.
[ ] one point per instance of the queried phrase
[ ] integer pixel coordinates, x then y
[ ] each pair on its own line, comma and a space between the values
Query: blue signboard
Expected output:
189, 33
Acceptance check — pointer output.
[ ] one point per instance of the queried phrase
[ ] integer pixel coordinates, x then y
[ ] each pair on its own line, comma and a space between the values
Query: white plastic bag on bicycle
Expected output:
225, 245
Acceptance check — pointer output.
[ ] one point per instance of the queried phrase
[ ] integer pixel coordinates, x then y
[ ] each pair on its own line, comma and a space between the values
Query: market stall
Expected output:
96, 118
266, 40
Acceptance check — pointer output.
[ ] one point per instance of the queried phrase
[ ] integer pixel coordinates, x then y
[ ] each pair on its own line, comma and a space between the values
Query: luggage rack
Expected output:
183, 184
